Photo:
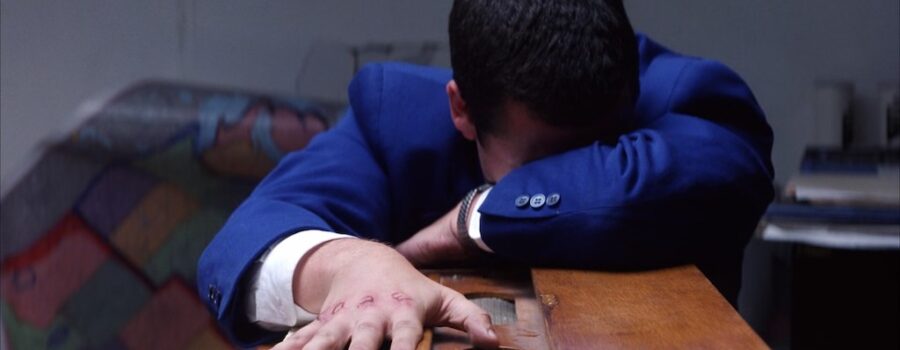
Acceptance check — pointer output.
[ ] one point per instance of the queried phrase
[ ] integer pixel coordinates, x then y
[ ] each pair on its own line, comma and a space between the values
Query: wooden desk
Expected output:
565, 309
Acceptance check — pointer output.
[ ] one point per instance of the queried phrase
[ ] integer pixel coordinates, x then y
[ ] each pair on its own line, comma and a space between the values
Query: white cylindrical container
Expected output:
833, 120
888, 115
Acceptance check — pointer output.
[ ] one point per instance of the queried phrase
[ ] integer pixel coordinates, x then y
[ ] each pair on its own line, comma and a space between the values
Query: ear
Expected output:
459, 112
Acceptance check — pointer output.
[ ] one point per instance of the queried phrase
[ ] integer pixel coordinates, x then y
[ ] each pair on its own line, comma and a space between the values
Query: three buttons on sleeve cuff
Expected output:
538, 200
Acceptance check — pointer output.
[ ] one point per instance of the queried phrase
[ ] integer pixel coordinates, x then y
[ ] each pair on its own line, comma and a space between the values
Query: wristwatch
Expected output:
462, 220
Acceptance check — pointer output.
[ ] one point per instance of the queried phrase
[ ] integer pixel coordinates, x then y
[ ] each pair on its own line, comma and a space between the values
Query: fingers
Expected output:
481, 332
405, 333
405, 329
332, 336
462, 314
299, 338
367, 335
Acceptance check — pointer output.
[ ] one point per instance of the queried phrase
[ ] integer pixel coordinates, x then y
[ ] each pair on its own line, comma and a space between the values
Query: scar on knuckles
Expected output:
402, 298
337, 308
366, 301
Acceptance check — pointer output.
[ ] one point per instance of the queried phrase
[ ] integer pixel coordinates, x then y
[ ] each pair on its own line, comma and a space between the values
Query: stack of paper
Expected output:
840, 199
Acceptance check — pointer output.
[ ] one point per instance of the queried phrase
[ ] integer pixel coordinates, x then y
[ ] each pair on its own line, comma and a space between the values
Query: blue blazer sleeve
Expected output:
687, 187
302, 192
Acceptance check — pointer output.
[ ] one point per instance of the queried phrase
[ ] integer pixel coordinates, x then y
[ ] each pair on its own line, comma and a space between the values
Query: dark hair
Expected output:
573, 63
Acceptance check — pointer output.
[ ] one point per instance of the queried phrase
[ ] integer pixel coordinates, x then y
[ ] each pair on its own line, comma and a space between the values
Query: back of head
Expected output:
573, 63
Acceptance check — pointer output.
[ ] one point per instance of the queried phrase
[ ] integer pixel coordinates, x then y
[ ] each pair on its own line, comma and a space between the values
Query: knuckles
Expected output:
402, 299
385, 313
407, 324
367, 301
326, 338
365, 326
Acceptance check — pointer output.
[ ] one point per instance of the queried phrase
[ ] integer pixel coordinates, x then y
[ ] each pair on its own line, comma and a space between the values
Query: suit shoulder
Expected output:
657, 60
399, 97
660, 71
377, 80
703, 79
397, 74
669, 80
418, 72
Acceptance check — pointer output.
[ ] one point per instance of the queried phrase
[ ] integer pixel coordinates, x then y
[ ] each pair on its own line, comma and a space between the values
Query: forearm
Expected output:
653, 199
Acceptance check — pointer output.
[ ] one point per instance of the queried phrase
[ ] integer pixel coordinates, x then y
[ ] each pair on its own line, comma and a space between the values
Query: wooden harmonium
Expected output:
541, 309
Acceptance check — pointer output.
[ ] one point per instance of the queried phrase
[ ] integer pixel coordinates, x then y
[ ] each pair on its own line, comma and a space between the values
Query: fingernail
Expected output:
490, 332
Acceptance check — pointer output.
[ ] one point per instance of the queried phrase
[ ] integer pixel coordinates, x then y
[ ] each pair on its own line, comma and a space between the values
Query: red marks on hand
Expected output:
366, 301
326, 316
337, 308
402, 298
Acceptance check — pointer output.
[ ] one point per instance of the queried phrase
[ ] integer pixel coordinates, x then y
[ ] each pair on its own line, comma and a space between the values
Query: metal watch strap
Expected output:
462, 220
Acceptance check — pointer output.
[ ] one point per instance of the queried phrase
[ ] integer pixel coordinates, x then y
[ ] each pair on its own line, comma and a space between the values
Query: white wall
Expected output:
57, 54
54, 54
781, 48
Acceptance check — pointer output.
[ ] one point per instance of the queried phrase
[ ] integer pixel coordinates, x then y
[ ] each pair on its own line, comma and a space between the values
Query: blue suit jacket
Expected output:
685, 184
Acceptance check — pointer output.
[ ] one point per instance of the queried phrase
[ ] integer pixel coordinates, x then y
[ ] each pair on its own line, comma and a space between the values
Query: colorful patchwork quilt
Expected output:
100, 239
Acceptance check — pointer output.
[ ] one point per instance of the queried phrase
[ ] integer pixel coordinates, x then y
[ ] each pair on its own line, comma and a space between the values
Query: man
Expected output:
601, 149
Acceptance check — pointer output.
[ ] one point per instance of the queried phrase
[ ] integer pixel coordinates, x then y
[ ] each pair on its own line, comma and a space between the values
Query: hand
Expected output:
438, 244
365, 292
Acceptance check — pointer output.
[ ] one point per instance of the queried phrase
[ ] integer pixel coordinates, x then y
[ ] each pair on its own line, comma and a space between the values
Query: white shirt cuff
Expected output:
475, 222
270, 299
